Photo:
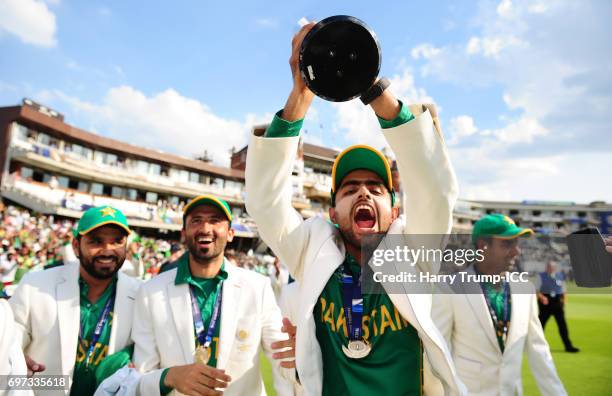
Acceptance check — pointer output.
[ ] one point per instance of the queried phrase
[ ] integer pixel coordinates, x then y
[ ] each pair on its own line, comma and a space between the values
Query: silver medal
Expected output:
357, 349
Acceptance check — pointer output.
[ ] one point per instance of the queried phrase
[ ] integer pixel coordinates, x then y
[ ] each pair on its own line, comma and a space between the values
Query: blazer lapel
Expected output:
229, 315
68, 315
121, 326
478, 304
178, 297
331, 255
519, 313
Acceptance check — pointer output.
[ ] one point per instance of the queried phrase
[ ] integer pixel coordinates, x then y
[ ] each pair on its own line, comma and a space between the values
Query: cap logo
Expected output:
108, 211
508, 220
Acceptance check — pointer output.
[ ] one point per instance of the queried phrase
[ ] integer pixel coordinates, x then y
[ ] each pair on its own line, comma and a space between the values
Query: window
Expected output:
117, 192
194, 177
536, 212
97, 189
72, 184
154, 169
26, 173
43, 139
21, 132
87, 153
82, 186
107, 190
110, 159
98, 157
132, 194
151, 197
514, 212
184, 176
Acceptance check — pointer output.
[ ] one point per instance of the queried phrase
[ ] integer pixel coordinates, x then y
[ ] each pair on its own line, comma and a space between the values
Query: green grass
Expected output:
588, 372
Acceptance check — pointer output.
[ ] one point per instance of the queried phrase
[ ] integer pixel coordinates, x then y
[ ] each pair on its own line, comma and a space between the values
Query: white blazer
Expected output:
313, 249
12, 361
466, 323
288, 302
164, 336
46, 305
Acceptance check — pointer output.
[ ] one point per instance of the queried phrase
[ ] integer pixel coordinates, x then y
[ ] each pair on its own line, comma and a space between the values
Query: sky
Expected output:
523, 87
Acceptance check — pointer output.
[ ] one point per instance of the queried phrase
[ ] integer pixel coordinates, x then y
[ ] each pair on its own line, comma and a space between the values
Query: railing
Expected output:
122, 172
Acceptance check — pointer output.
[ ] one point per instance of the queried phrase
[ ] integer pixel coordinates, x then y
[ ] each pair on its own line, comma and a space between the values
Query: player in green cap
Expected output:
202, 325
70, 317
349, 343
489, 325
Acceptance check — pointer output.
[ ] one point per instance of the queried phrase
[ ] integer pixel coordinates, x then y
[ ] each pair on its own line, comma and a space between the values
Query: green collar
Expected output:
183, 273
84, 288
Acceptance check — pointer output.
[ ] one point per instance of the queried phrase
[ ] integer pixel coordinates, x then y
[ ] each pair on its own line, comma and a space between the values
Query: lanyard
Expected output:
98, 330
203, 339
501, 325
352, 301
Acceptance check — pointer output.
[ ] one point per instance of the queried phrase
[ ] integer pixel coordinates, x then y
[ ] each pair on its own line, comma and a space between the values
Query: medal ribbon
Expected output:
98, 330
205, 339
352, 301
501, 325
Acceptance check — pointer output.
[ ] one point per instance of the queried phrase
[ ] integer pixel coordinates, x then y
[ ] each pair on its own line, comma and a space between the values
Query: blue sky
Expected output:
523, 87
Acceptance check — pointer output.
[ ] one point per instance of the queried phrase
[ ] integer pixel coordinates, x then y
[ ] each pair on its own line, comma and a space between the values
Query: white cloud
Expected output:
551, 61
524, 130
490, 47
30, 20
359, 121
166, 121
460, 127
424, 51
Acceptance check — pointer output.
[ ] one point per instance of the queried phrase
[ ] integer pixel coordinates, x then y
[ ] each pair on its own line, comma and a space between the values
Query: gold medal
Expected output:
202, 354
357, 349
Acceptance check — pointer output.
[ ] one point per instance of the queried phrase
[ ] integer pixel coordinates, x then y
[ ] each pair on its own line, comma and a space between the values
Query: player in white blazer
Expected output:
489, 326
57, 310
12, 361
315, 251
199, 328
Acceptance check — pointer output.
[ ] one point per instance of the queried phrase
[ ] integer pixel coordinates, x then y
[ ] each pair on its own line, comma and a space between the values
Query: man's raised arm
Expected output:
270, 160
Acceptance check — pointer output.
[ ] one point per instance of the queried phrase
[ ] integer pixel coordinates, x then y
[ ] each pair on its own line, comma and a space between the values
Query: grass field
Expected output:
587, 373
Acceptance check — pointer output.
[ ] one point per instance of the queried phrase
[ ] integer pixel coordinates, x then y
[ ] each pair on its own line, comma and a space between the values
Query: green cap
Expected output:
97, 217
498, 226
361, 157
208, 200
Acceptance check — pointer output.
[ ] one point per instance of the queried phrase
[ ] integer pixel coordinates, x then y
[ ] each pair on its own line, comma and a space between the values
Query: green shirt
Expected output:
283, 128
84, 379
495, 297
393, 367
206, 291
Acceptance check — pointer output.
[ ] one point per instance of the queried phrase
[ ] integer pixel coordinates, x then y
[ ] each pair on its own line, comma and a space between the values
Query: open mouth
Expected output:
106, 260
204, 241
364, 217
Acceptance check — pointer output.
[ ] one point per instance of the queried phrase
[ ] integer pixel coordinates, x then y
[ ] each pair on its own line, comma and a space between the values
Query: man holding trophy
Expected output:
348, 342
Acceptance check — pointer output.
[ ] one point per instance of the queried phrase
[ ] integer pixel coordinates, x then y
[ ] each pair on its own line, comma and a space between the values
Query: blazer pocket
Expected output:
246, 337
470, 372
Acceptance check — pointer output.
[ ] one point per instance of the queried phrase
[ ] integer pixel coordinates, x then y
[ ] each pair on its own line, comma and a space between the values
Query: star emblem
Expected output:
108, 212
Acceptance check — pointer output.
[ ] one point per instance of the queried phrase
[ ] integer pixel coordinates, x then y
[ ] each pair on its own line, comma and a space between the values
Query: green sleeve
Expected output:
283, 128
403, 117
163, 389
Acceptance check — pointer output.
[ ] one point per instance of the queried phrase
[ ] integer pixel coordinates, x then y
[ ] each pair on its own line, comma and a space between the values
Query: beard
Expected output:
205, 254
101, 271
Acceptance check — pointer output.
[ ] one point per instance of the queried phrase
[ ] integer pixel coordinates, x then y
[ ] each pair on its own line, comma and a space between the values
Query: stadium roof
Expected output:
31, 117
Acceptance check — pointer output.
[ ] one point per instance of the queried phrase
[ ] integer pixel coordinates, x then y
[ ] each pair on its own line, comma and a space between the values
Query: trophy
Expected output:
340, 58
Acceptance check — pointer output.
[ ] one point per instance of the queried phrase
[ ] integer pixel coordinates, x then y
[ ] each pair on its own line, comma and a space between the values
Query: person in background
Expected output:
551, 301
